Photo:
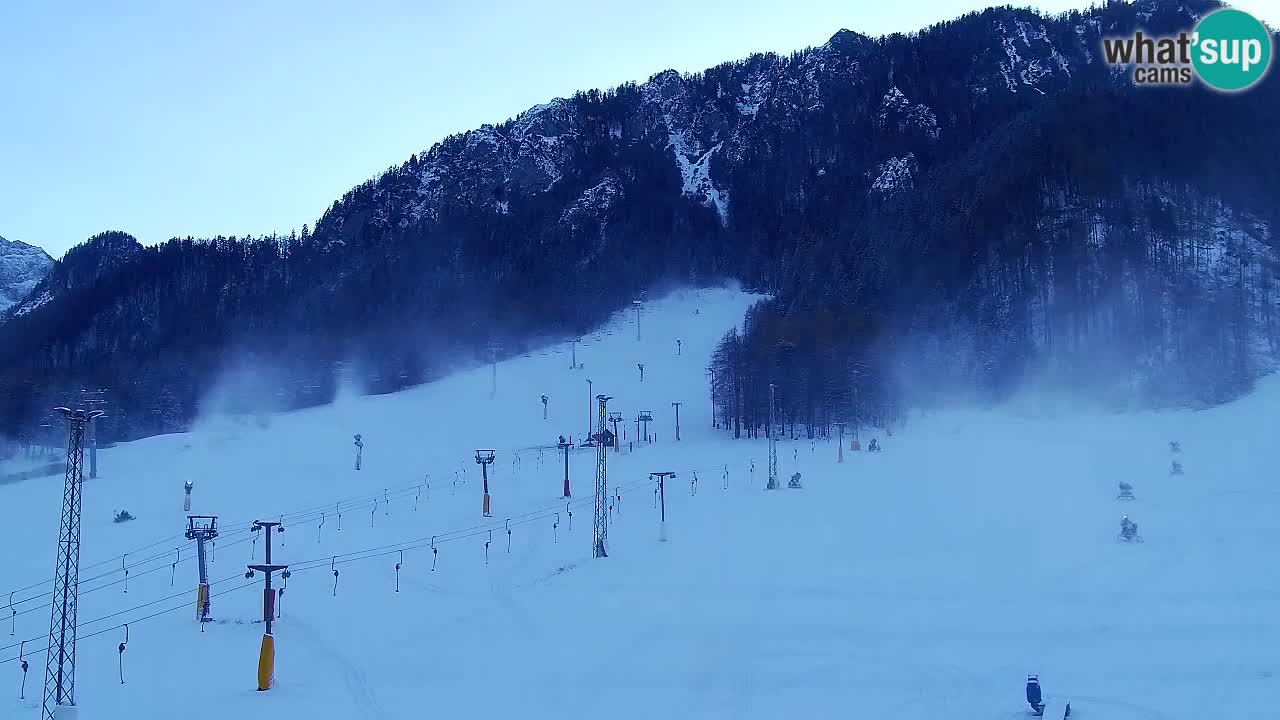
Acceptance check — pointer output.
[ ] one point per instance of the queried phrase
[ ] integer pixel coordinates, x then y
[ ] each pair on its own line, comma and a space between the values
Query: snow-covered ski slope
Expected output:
919, 583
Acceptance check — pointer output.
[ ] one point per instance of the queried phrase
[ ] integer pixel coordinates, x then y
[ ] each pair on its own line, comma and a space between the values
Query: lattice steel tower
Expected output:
60, 664
601, 535
773, 444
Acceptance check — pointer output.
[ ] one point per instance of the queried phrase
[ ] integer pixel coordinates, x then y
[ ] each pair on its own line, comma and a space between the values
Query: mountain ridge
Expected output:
819, 177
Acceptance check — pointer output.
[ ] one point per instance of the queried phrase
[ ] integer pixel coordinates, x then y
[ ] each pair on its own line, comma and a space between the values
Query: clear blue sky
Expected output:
166, 118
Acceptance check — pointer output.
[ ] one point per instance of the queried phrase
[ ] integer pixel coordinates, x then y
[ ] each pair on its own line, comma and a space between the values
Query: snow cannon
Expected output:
484, 458
1034, 698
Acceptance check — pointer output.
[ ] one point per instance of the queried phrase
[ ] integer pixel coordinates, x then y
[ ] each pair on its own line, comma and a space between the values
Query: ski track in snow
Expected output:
921, 582
353, 677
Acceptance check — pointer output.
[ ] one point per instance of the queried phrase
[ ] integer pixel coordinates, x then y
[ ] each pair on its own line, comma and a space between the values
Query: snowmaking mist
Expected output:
1077, 363
248, 389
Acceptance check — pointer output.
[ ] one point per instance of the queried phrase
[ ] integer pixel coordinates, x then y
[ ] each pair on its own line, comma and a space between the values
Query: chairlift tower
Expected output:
202, 528
855, 373
712, 373
637, 304
615, 418
46, 436
60, 664
677, 405
564, 446
484, 458
92, 399
840, 446
662, 498
590, 409
645, 417
493, 361
267, 654
773, 444
600, 538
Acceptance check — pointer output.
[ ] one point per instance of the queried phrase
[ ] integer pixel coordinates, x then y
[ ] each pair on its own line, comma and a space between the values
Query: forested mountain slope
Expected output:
984, 197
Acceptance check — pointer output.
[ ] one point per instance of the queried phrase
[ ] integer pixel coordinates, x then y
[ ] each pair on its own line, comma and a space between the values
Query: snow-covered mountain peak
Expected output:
848, 41
22, 267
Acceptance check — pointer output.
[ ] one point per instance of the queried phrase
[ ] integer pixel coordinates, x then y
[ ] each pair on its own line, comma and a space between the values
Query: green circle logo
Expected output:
1232, 50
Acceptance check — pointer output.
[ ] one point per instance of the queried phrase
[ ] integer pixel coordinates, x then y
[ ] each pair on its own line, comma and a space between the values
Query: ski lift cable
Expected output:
115, 571
367, 554
174, 596
108, 573
314, 513
370, 501
380, 551
332, 561
128, 567
185, 605
119, 581
304, 515
309, 565
299, 516
465, 533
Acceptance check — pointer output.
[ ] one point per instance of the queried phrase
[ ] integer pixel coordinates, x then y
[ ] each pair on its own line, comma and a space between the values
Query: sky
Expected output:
240, 117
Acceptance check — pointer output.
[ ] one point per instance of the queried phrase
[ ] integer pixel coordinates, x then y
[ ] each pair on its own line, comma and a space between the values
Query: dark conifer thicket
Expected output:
964, 206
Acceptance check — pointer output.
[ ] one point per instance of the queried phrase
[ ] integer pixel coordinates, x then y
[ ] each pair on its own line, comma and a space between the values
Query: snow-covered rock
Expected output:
1029, 56
594, 202
895, 176
22, 267
899, 113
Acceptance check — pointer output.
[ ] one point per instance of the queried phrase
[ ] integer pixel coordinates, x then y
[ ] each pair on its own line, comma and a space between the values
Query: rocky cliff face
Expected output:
22, 266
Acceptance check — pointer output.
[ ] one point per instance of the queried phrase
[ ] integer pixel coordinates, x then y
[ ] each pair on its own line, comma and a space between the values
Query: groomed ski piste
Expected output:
922, 582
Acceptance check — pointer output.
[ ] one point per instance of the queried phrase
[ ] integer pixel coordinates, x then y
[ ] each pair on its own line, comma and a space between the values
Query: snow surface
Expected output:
695, 169
919, 583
